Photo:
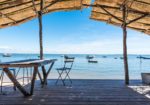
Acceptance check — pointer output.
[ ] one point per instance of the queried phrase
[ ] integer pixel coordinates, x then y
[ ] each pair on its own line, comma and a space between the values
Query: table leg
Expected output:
16, 83
40, 77
45, 77
49, 69
44, 74
33, 79
15, 77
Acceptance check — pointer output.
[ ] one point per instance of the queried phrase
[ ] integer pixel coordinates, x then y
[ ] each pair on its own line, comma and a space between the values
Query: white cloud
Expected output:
100, 46
5, 49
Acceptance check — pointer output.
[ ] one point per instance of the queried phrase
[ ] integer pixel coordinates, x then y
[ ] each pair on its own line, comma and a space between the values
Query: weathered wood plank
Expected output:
82, 92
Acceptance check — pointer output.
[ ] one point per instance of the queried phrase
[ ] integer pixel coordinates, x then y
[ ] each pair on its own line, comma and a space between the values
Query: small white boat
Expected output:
7, 55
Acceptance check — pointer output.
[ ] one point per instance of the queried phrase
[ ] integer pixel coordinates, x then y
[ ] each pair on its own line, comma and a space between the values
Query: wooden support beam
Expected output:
34, 5
111, 14
40, 34
7, 17
14, 5
143, 2
40, 30
40, 14
137, 19
124, 28
130, 10
51, 3
33, 79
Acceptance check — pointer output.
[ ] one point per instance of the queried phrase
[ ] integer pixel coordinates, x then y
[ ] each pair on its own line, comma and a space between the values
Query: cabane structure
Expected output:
134, 14
15, 12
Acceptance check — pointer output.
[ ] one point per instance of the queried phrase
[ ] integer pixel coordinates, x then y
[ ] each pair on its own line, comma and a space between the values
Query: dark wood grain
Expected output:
82, 92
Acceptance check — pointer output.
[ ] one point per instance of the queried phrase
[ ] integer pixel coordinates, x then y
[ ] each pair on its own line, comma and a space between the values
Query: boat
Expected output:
68, 57
62, 55
141, 57
6, 55
115, 58
89, 57
121, 58
104, 56
92, 61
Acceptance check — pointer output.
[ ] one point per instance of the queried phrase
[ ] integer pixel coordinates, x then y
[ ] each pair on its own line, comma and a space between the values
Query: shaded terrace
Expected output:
104, 92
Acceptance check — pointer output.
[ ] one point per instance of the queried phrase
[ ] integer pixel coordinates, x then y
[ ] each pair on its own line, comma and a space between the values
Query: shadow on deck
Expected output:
84, 92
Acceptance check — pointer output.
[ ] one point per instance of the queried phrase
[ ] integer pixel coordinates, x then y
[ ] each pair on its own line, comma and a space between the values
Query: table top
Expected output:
26, 63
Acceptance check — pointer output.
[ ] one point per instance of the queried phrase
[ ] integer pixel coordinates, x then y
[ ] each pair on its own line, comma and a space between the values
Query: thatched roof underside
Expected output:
14, 12
135, 8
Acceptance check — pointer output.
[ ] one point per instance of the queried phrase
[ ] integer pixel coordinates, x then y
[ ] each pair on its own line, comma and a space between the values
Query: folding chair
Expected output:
2, 79
65, 70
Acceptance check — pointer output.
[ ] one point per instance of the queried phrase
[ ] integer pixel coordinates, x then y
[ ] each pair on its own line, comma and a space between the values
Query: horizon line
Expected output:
79, 53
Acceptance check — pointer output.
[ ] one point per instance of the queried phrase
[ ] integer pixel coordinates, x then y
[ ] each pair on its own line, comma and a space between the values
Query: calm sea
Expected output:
109, 67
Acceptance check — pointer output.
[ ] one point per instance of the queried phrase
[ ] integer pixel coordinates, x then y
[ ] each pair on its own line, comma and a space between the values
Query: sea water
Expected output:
108, 66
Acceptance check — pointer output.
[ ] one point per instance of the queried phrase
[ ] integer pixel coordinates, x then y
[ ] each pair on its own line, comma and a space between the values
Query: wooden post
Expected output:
40, 29
33, 79
40, 34
125, 46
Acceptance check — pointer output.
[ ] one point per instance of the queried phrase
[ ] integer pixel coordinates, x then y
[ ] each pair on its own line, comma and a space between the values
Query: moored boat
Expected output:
7, 55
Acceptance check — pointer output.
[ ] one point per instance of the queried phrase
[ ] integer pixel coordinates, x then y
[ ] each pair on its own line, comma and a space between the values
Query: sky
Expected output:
71, 32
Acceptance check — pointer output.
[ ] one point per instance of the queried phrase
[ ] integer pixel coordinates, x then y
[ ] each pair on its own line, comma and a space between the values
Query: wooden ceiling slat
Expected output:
21, 12
138, 17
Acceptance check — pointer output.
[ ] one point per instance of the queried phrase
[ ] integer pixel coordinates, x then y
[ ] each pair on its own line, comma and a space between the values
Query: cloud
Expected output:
137, 44
99, 46
4, 49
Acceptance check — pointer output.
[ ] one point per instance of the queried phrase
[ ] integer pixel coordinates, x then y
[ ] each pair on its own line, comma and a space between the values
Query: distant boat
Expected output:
121, 58
141, 57
62, 55
7, 55
68, 57
89, 57
115, 58
92, 61
104, 56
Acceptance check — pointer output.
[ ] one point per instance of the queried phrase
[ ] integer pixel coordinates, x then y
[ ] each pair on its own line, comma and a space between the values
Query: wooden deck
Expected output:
83, 92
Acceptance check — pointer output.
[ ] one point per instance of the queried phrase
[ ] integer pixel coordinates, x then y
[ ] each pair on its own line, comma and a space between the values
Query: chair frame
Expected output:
65, 70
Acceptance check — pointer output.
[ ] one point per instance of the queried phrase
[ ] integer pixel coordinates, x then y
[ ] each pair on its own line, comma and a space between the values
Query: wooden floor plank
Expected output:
82, 92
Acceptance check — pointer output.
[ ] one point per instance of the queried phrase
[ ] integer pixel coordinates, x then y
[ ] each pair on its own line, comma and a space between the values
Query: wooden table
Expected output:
35, 63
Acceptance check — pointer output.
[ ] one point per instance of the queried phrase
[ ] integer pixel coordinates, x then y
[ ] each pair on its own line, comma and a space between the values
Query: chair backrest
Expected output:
68, 62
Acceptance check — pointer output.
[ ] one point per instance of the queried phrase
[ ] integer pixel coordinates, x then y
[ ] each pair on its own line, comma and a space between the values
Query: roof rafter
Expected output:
7, 17
51, 3
136, 19
118, 8
34, 6
12, 6
111, 14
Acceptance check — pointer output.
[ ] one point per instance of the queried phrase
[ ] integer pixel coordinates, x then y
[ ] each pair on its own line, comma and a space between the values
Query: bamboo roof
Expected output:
110, 11
14, 12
